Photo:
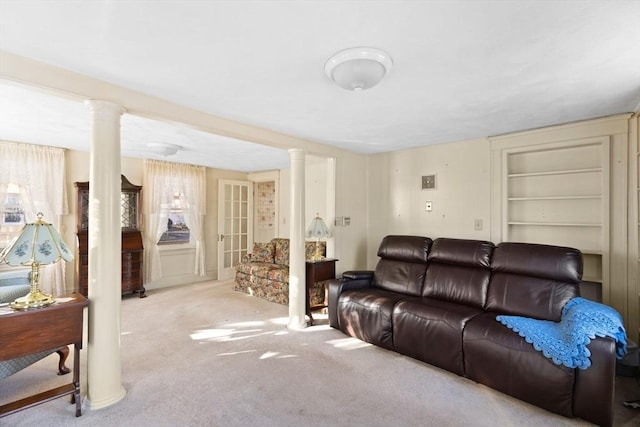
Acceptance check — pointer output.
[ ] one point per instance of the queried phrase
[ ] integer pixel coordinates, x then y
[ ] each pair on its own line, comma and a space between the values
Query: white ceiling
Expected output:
462, 69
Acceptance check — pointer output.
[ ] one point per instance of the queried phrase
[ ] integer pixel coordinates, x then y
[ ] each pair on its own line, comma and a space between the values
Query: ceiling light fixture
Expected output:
358, 68
163, 148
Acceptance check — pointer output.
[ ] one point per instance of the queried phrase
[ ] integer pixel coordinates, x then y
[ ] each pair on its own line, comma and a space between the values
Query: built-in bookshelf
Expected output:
557, 194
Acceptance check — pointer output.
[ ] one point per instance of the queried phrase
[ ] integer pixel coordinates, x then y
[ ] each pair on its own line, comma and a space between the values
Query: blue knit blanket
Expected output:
565, 342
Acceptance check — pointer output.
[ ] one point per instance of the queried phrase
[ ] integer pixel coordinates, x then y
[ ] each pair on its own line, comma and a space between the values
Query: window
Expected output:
174, 201
177, 231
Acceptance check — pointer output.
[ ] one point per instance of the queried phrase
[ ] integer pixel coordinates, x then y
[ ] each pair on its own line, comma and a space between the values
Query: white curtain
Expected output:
39, 173
162, 181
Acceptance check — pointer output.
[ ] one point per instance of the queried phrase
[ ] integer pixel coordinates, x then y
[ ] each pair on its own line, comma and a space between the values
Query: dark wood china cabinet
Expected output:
132, 249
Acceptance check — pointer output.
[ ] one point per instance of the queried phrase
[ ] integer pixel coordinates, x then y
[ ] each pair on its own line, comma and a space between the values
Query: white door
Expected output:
235, 224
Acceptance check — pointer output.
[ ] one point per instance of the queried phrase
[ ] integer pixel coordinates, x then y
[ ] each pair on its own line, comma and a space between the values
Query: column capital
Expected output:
106, 110
296, 153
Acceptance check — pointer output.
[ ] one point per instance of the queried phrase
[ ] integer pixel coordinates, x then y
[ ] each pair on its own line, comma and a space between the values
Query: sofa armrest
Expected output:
336, 287
357, 274
594, 386
246, 258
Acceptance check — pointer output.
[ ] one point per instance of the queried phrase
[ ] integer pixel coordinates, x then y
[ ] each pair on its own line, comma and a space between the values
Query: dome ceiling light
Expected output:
358, 68
163, 148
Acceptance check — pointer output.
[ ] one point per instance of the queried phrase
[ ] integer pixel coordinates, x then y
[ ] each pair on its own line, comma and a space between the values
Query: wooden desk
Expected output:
32, 331
317, 271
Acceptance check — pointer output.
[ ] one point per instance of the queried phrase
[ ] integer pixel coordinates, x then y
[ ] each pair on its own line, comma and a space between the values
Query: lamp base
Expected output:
32, 300
317, 255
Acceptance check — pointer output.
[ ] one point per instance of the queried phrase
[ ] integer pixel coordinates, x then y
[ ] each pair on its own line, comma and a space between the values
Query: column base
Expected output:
295, 324
103, 403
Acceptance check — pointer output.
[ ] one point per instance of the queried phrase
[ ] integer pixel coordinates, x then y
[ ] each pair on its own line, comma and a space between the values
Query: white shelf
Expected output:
558, 195
555, 224
587, 197
558, 172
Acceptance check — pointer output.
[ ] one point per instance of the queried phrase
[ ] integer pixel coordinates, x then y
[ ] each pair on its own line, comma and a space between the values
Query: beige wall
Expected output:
462, 193
466, 190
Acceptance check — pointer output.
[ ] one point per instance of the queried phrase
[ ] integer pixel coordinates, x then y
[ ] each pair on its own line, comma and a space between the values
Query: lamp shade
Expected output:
38, 242
318, 229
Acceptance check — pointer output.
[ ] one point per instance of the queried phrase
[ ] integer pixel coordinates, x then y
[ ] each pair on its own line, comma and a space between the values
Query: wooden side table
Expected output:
32, 331
317, 271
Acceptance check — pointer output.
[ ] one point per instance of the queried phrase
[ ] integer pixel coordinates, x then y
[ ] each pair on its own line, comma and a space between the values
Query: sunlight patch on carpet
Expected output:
269, 354
280, 321
207, 334
248, 324
348, 343
227, 335
235, 353
277, 355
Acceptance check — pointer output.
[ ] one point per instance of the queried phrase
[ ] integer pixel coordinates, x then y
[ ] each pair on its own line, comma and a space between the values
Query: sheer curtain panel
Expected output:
39, 174
165, 182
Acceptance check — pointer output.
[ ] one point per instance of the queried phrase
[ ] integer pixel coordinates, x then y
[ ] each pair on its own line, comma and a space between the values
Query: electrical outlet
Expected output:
428, 206
477, 224
347, 221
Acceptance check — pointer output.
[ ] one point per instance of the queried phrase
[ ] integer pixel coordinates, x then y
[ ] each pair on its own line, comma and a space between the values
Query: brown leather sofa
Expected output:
437, 301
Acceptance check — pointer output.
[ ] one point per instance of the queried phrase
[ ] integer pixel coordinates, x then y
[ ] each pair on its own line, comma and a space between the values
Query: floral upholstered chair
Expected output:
265, 272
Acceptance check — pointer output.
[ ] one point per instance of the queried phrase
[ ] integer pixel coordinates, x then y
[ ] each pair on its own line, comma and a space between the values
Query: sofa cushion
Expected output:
533, 280
499, 358
265, 270
367, 315
459, 271
263, 252
402, 265
405, 248
281, 251
431, 330
397, 276
547, 262
468, 253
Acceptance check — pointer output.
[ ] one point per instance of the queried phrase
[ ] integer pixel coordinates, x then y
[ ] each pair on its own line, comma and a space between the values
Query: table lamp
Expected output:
37, 244
318, 229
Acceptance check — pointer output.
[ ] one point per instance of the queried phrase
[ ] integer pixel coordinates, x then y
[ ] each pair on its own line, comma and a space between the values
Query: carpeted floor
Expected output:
204, 355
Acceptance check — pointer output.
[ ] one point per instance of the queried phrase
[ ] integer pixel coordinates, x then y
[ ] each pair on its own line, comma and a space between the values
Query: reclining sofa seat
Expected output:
454, 292
437, 301
400, 272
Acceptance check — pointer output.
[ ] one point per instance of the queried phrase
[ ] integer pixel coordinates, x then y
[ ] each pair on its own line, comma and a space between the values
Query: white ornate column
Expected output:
104, 376
297, 269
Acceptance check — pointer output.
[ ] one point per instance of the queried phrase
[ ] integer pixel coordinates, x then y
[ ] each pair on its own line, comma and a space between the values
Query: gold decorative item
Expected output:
319, 230
38, 243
